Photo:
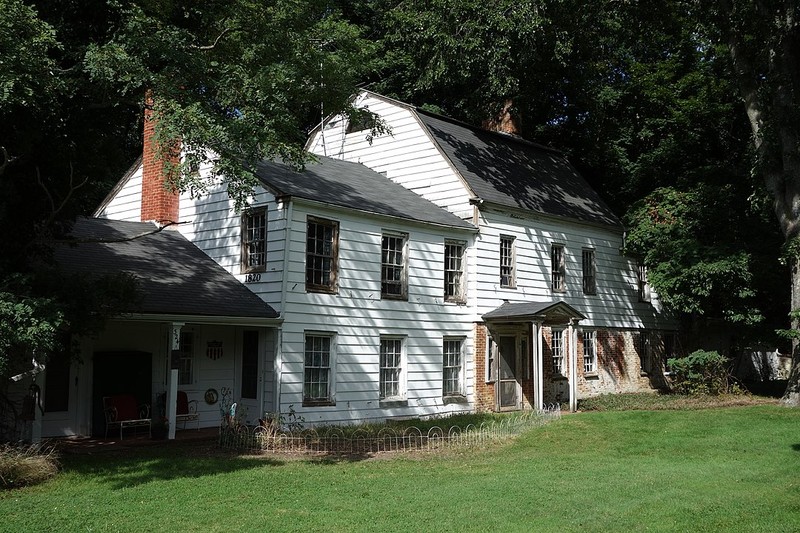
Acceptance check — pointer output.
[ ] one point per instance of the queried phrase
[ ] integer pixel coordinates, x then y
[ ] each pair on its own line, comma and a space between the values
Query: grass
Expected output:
723, 469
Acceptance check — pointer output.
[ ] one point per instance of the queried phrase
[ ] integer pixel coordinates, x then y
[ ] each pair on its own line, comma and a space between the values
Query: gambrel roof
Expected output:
174, 276
356, 187
508, 171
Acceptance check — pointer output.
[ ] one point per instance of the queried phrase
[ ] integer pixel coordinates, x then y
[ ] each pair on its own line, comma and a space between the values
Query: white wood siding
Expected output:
357, 316
407, 155
127, 203
615, 304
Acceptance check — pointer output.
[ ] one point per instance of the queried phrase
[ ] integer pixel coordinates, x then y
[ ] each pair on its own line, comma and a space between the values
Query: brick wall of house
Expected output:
484, 392
158, 202
619, 367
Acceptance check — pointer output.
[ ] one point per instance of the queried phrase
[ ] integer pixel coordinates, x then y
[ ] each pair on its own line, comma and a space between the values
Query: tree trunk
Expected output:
792, 395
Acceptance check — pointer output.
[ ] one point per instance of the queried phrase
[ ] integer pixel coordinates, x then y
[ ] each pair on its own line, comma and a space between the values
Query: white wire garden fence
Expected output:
360, 440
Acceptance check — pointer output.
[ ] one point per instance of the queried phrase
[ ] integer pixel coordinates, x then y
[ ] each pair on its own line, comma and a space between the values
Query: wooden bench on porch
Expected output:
121, 410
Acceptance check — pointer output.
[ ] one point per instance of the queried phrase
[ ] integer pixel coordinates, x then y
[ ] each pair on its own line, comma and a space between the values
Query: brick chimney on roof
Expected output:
159, 201
504, 121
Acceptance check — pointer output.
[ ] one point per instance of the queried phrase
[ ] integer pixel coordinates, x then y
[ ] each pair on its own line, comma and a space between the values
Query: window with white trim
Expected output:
186, 348
254, 241
557, 350
392, 377
589, 352
589, 271
491, 352
453, 367
394, 259
558, 268
643, 285
322, 246
317, 372
507, 262
454, 286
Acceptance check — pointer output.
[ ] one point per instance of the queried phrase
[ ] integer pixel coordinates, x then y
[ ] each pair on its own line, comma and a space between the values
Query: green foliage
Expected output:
690, 241
701, 372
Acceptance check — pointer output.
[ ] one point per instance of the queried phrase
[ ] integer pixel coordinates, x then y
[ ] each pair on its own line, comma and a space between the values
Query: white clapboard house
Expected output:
433, 270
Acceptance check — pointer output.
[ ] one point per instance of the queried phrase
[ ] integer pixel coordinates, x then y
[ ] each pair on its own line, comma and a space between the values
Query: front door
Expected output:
509, 389
248, 378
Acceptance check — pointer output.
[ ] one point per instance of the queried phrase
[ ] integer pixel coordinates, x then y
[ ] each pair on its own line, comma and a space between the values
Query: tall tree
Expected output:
763, 38
234, 80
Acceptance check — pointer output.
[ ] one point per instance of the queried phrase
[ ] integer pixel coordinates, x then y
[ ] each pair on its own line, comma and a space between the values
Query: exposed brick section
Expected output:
484, 392
158, 201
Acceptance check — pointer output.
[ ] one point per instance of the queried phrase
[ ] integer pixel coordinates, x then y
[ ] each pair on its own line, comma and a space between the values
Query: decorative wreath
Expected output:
211, 396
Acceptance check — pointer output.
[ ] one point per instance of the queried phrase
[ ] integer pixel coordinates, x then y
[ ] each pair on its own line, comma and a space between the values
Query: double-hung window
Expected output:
645, 351
254, 241
322, 244
507, 262
589, 272
394, 261
589, 352
453, 367
558, 268
454, 287
643, 285
557, 351
317, 374
392, 377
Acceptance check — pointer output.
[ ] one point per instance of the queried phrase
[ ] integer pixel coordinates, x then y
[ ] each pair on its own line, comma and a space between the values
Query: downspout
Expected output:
287, 232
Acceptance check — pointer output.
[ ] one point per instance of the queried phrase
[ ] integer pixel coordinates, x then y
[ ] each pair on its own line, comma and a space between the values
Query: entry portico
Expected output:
521, 321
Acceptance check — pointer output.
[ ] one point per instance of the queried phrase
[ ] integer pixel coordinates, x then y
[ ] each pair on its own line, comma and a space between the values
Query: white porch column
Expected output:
538, 381
573, 366
172, 378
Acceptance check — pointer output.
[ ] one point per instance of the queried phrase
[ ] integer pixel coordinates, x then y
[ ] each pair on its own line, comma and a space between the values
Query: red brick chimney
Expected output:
159, 200
504, 121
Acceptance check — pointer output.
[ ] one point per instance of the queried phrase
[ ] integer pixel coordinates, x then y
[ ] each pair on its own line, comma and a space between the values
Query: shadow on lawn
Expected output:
129, 469
796, 447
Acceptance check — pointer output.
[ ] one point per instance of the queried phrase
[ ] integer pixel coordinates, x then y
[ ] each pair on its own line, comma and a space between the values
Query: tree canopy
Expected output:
236, 81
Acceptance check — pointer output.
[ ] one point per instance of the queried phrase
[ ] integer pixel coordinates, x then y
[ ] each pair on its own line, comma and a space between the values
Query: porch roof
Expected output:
173, 275
544, 312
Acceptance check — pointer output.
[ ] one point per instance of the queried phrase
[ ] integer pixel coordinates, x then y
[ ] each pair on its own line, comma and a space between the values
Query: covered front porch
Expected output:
516, 357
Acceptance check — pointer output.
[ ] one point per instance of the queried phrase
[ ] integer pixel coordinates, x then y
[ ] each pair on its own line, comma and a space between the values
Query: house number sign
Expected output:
250, 278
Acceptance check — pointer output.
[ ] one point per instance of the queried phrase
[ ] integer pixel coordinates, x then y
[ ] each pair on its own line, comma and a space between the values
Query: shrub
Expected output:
28, 465
700, 372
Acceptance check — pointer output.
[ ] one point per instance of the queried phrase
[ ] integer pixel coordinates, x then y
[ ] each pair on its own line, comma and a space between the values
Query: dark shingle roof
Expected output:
175, 277
533, 310
512, 172
354, 186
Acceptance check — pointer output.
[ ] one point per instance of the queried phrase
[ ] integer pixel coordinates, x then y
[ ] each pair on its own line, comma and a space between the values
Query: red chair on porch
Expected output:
122, 411
186, 410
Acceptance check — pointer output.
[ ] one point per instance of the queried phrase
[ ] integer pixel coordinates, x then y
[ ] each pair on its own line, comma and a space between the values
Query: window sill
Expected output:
455, 399
319, 403
560, 377
591, 375
322, 290
394, 403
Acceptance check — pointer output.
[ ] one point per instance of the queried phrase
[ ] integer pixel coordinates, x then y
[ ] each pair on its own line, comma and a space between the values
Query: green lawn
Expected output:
730, 469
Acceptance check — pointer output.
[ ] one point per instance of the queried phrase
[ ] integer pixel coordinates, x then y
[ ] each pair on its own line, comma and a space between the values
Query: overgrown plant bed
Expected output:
654, 401
394, 436
21, 466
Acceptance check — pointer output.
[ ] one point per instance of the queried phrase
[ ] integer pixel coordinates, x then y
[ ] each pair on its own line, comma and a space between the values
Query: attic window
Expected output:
360, 121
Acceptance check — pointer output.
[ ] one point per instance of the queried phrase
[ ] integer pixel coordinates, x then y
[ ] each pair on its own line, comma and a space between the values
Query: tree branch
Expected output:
159, 229
214, 44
